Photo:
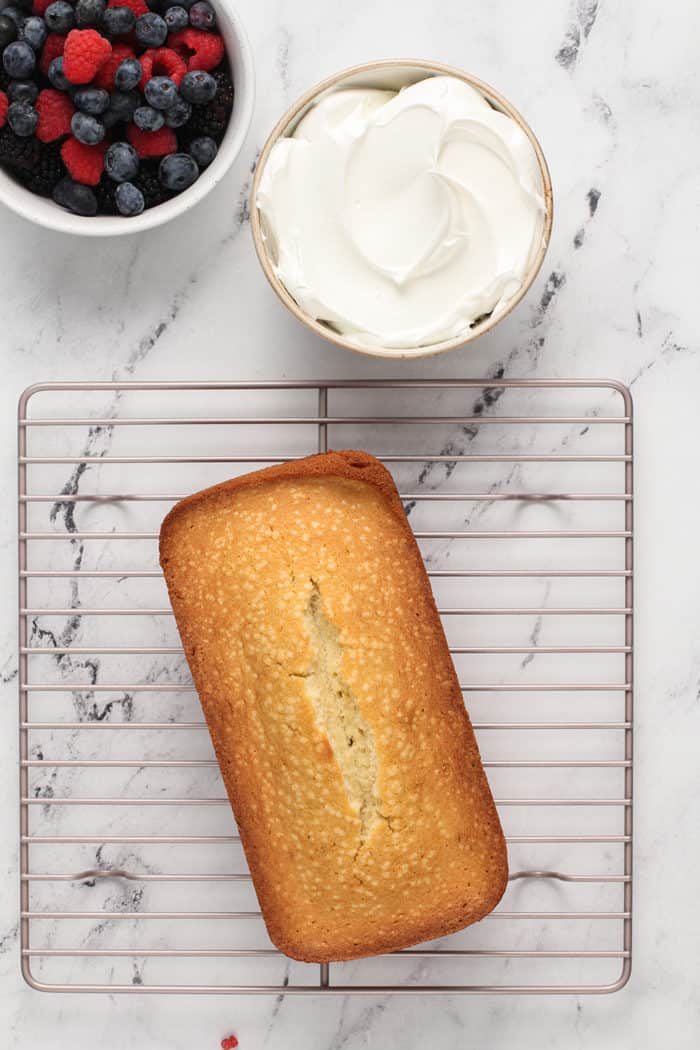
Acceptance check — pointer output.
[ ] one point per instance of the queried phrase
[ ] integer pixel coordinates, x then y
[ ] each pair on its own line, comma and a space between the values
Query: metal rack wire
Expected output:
132, 876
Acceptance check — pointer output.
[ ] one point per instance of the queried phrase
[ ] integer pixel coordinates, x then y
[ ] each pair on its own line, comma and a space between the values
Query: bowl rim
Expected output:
29, 205
281, 127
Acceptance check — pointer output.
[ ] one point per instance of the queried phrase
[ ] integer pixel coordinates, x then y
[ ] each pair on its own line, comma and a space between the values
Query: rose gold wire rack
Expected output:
132, 876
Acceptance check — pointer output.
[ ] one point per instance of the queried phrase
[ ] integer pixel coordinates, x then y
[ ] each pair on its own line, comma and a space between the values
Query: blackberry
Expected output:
147, 181
18, 155
104, 191
48, 170
212, 119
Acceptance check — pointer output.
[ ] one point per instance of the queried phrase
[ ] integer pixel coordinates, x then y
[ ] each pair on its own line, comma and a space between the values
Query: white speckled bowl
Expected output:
394, 74
44, 212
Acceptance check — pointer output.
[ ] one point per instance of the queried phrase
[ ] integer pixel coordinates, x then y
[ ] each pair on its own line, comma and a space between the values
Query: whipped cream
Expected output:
402, 218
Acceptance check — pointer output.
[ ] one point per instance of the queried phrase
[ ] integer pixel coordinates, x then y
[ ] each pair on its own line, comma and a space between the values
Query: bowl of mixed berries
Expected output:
118, 115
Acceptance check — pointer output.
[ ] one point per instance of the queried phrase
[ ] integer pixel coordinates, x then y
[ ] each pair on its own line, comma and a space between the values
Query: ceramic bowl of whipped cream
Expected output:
401, 208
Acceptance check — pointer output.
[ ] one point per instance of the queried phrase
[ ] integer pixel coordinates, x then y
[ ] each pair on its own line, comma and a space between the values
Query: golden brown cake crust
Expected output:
310, 627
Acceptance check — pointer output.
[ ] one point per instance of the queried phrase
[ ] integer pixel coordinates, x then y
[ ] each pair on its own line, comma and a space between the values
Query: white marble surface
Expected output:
613, 92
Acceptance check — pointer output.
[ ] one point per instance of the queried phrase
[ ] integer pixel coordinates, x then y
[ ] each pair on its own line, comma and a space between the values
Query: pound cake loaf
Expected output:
337, 718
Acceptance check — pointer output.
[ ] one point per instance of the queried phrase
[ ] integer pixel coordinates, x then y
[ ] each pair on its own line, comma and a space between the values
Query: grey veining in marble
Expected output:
613, 92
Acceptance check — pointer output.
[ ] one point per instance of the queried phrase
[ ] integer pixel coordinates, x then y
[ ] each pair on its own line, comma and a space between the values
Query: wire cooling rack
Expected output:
520, 495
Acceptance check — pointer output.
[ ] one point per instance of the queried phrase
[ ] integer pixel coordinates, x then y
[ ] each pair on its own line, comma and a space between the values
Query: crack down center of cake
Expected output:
339, 717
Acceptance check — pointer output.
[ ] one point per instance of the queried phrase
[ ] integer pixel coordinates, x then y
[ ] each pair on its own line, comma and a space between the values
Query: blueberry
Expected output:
77, 198
198, 87
22, 118
34, 31
15, 15
202, 15
128, 74
178, 171
88, 13
25, 5
122, 106
56, 75
117, 21
87, 129
8, 31
203, 149
129, 199
178, 115
22, 91
161, 92
18, 59
151, 30
60, 17
91, 100
176, 18
121, 162
148, 119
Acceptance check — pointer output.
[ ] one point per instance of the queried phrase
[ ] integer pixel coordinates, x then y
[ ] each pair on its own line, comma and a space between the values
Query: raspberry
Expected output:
84, 163
202, 50
152, 143
164, 62
39, 7
4, 106
53, 48
105, 75
55, 110
139, 7
229, 1043
85, 52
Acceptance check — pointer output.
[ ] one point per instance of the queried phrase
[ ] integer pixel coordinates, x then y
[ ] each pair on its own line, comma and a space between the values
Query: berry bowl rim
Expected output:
44, 212
377, 74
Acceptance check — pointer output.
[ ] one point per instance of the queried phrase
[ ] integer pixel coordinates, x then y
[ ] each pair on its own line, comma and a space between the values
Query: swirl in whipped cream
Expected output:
400, 219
